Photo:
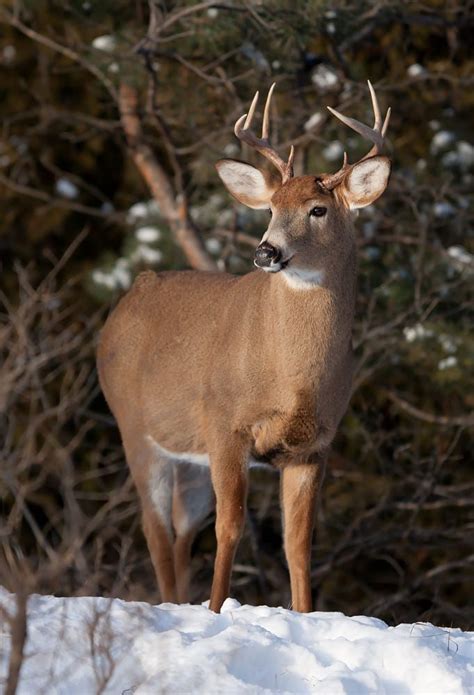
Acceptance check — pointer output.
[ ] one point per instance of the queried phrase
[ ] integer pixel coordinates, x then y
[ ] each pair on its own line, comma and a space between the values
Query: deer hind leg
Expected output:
193, 501
299, 490
157, 527
229, 478
153, 478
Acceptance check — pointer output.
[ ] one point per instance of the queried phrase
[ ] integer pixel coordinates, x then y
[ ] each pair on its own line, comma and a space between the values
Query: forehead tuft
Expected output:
301, 188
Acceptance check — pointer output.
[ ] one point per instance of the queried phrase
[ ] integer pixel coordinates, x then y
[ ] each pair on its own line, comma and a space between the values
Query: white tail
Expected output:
205, 371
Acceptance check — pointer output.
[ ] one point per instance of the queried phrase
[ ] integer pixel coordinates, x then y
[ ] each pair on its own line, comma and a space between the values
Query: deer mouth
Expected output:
274, 266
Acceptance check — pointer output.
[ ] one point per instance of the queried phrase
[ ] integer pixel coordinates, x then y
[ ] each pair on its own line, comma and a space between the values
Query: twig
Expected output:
55, 202
457, 421
18, 639
64, 50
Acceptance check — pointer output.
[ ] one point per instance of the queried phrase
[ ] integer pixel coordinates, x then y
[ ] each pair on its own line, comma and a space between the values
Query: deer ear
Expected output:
366, 181
249, 185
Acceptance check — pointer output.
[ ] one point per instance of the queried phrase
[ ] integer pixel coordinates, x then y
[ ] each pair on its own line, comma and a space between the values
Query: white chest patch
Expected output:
300, 279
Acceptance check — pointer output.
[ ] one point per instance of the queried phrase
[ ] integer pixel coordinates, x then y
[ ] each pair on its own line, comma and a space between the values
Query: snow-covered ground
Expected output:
81, 646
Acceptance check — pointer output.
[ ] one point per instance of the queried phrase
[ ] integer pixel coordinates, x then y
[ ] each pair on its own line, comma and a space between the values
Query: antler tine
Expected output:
253, 106
245, 134
291, 157
266, 114
375, 107
386, 121
375, 135
369, 133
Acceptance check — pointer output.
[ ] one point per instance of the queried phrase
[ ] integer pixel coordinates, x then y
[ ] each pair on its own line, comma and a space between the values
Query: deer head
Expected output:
311, 222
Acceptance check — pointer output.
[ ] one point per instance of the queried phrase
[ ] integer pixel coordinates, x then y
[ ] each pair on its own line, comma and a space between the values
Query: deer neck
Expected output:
312, 320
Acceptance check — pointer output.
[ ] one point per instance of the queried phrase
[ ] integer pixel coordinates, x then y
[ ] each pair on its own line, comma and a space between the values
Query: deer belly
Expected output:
254, 461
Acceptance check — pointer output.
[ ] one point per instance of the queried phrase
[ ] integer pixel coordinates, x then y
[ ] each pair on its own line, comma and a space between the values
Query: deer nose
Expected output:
266, 254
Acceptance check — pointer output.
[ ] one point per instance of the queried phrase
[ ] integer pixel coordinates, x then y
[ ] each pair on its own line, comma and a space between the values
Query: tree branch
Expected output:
172, 207
59, 48
459, 421
54, 201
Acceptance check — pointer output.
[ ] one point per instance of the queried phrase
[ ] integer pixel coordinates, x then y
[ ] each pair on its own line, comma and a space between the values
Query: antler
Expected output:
262, 145
375, 135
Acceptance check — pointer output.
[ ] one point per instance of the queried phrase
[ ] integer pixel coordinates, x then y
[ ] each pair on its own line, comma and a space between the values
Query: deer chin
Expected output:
274, 267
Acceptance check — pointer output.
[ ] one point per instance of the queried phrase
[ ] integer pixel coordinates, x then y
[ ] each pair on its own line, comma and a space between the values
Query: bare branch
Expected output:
459, 421
14, 21
54, 201
172, 207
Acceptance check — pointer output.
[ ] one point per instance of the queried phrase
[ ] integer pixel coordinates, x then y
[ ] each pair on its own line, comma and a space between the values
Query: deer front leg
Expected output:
299, 492
229, 478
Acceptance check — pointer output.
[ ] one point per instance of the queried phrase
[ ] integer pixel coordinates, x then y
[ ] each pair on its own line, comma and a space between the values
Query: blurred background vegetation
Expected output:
80, 219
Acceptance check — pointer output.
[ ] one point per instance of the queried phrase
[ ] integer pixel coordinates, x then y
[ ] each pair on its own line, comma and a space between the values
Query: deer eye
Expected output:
318, 212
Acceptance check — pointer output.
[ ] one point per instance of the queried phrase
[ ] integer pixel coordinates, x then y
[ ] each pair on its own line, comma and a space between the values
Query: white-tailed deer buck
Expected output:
206, 372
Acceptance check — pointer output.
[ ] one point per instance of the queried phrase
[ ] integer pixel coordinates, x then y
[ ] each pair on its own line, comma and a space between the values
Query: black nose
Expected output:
266, 254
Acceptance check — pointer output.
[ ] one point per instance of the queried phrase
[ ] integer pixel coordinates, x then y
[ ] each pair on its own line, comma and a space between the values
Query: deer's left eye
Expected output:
318, 212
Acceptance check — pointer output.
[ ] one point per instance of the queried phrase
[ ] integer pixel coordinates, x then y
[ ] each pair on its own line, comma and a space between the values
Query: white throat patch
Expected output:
300, 279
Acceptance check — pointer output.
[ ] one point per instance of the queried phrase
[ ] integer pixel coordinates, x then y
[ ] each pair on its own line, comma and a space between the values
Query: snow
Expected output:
252, 53
416, 332
107, 43
448, 343
66, 188
314, 121
118, 277
78, 646
415, 70
372, 253
442, 139
142, 210
231, 150
148, 234
8, 54
213, 245
448, 363
369, 228
462, 156
324, 77
333, 151
146, 254
459, 254
107, 208
443, 210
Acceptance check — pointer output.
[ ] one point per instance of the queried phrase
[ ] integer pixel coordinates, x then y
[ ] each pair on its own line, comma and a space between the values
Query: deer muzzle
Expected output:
267, 257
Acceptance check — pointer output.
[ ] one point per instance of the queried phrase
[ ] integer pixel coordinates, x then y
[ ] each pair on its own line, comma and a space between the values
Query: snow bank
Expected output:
78, 646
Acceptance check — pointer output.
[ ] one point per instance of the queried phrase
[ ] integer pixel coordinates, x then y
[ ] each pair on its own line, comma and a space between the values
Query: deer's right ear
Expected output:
246, 183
